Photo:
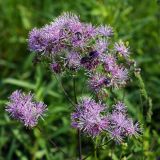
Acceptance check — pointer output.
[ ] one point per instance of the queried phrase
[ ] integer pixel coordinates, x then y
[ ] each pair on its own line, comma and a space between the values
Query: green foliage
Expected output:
134, 21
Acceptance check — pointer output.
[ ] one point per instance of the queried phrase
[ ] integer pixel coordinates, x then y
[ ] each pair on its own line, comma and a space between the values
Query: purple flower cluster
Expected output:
23, 108
88, 117
70, 43
92, 118
97, 81
120, 125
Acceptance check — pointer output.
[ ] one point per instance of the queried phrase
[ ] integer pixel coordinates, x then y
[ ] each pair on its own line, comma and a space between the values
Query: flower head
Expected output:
67, 18
73, 60
120, 107
88, 117
120, 125
122, 49
119, 76
36, 42
24, 109
109, 62
97, 81
101, 45
105, 31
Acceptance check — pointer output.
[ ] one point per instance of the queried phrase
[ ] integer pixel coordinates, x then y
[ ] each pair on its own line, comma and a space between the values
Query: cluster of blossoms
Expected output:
70, 44
67, 44
23, 108
93, 119
88, 117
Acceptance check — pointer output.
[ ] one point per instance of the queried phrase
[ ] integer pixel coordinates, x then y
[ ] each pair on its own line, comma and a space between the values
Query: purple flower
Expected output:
97, 81
73, 60
88, 117
101, 45
122, 49
120, 107
45, 40
116, 135
36, 42
109, 62
105, 31
24, 109
120, 125
89, 31
119, 76
82, 35
133, 129
68, 20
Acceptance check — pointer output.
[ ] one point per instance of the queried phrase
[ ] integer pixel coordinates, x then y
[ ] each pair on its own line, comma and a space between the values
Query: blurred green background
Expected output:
135, 21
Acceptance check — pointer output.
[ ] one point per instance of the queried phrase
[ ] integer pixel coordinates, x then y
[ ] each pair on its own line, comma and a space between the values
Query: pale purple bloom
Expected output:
133, 129
97, 81
67, 19
101, 45
82, 35
120, 107
109, 62
36, 42
52, 38
88, 117
89, 31
120, 125
73, 60
105, 30
119, 76
119, 119
71, 29
122, 49
45, 40
78, 40
23, 108
116, 135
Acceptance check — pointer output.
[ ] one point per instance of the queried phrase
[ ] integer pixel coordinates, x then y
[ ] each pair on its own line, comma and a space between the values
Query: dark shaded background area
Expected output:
134, 21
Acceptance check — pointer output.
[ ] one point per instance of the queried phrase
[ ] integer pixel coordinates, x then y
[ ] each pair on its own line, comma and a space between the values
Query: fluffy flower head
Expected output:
88, 117
122, 49
24, 109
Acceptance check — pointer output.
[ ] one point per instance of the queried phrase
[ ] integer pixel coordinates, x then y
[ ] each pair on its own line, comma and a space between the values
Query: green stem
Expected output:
74, 88
95, 150
64, 91
99, 146
78, 131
